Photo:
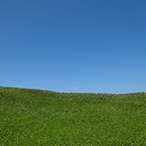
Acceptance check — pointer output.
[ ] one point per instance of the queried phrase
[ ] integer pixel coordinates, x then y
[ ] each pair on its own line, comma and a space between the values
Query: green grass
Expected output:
32, 117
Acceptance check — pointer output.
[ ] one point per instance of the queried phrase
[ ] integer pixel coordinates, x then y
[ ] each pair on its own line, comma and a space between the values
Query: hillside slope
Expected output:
39, 117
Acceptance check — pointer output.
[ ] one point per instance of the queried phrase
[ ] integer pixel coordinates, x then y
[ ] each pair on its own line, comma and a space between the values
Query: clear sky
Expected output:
96, 46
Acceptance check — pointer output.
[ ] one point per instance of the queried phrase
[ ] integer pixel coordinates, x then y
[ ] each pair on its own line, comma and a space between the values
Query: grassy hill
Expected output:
32, 117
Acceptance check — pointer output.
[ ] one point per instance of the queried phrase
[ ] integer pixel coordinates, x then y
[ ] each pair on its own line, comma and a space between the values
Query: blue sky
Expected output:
96, 46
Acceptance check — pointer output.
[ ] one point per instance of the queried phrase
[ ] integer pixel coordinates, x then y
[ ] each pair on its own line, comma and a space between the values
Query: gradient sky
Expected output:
96, 46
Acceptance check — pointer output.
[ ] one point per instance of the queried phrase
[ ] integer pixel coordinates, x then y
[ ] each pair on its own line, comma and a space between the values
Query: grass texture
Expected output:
31, 117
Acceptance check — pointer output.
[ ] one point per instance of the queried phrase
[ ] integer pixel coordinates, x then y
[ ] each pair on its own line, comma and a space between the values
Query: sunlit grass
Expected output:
38, 117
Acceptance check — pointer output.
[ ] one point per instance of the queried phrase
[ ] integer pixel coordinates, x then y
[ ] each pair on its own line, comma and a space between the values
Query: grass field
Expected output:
31, 117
